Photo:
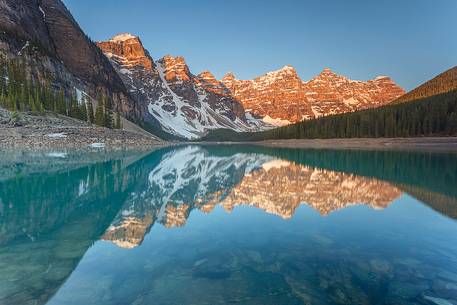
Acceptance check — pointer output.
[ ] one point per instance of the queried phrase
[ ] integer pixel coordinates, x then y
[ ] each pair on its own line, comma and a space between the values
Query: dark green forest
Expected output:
19, 91
431, 116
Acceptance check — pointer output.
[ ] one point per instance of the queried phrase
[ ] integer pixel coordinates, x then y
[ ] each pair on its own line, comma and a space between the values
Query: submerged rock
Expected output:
439, 301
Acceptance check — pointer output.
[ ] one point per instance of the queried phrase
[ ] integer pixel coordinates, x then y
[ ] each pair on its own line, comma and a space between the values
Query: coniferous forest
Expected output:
19, 92
431, 116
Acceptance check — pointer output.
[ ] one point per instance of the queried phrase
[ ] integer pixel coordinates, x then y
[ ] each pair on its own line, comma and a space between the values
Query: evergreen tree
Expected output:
90, 112
60, 103
31, 102
12, 87
38, 100
48, 101
99, 114
2, 96
108, 113
118, 124
74, 109
83, 110
3, 101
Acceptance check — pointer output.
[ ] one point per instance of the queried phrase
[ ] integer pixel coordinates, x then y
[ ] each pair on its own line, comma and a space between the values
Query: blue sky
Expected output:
409, 40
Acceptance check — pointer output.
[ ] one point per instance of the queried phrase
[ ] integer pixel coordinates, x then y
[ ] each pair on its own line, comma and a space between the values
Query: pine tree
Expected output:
12, 89
118, 124
60, 103
2, 96
83, 110
38, 100
31, 102
90, 112
2, 81
99, 114
75, 110
108, 113
48, 101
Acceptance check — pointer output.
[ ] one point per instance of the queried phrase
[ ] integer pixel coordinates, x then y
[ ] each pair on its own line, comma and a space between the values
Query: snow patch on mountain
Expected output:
122, 37
276, 122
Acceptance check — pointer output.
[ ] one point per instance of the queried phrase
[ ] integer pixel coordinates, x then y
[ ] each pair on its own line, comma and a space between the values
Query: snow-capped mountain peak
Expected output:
187, 105
170, 96
123, 37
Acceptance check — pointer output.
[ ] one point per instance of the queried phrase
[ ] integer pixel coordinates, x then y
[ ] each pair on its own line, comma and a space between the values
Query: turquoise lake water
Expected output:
228, 225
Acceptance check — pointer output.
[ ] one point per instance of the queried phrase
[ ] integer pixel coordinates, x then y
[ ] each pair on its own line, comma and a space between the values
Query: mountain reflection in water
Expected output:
53, 210
191, 178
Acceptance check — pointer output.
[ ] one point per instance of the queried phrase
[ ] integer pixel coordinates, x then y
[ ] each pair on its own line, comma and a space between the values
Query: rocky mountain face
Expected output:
192, 178
184, 105
281, 97
164, 96
45, 35
189, 105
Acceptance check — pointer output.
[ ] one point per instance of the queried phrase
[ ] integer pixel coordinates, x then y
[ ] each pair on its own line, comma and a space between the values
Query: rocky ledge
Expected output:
49, 131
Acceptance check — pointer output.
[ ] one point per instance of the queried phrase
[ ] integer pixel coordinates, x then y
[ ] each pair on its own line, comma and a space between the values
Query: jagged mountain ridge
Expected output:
282, 97
165, 96
184, 104
189, 105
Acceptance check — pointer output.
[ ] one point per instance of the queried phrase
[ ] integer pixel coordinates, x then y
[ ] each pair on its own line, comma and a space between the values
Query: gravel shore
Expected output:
51, 131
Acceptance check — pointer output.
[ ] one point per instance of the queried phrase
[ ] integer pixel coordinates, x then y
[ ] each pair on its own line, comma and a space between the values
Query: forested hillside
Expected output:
20, 92
445, 82
432, 116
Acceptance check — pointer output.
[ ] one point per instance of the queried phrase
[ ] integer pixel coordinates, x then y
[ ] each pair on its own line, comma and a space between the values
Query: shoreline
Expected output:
66, 137
433, 144
53, 132
441, 144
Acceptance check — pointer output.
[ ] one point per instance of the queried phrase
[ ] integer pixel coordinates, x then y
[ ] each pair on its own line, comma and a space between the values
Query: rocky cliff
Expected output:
50, 42
281, 97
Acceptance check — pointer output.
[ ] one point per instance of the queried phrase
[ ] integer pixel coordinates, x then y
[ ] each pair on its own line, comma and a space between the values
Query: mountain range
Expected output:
189, 105
163, 96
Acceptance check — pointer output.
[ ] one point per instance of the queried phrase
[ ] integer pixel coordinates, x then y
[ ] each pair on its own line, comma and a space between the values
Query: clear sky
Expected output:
409, 40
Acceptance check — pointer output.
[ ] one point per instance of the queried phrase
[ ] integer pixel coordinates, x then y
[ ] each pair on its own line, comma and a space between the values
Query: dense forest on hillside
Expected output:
431, 116
442, 83
19, 92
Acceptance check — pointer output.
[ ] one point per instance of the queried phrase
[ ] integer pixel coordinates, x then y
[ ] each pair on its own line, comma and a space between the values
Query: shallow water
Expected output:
228, 225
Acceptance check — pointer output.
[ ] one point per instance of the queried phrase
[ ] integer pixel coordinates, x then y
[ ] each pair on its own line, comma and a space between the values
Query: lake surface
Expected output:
228, 225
